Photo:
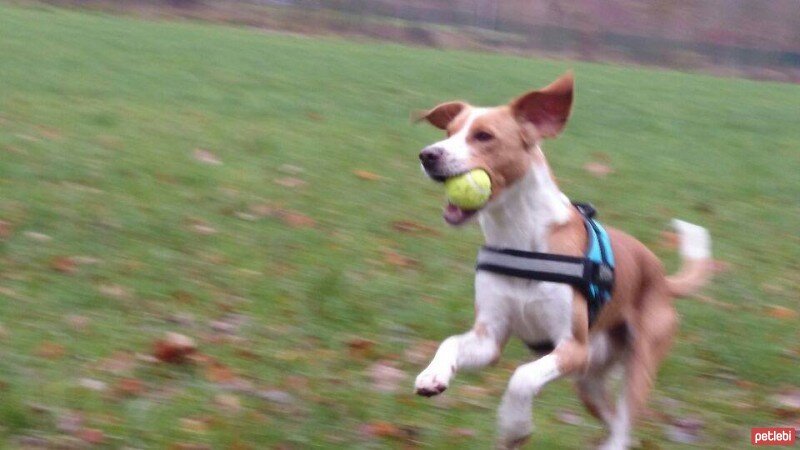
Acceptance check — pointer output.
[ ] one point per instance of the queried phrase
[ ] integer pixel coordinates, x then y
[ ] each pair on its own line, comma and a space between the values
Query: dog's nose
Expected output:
430, 155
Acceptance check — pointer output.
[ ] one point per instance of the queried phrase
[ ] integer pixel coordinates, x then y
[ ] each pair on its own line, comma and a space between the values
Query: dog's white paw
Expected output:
514, 422
433, 381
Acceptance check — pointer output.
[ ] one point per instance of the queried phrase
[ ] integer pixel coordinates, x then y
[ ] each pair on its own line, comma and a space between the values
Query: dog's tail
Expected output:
695, 250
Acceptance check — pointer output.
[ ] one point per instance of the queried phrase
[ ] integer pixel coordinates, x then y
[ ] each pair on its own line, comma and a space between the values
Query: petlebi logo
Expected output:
773, 436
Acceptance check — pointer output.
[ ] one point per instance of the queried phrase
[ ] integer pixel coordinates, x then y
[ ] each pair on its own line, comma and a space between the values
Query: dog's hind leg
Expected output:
651, 341
592, 385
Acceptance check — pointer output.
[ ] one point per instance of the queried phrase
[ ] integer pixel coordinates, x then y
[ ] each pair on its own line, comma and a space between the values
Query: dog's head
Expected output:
500, 140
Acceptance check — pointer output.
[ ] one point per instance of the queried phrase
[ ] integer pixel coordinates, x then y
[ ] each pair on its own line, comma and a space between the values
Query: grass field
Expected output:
199, 179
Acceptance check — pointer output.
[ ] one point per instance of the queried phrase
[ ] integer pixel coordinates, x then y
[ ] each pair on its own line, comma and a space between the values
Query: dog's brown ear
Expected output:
546, 109
441, 115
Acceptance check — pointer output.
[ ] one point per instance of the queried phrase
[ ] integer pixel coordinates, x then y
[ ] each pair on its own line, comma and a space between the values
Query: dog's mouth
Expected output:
456, 216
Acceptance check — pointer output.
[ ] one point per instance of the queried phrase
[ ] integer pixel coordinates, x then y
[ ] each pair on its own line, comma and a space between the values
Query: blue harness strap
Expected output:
593, 274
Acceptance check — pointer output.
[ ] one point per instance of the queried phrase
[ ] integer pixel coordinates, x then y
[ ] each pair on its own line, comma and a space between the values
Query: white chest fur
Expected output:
521, 218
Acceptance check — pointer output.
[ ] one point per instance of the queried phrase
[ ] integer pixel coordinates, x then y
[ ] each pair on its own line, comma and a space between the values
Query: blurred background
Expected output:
214, 233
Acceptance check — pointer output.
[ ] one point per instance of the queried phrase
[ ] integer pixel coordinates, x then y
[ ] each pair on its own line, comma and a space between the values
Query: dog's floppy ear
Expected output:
546, 109
441, 115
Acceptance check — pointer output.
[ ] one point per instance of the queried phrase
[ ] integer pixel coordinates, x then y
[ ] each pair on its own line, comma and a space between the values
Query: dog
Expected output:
527, 211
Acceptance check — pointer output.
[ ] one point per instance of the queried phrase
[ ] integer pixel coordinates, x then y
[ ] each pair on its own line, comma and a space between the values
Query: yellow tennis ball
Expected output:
469, 190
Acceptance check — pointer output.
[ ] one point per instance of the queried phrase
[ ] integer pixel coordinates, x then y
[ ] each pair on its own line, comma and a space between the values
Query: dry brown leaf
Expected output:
129, 387
360, 347
228, 403
193, 425
206, 157
174, 348
50, 350
396, 259
421, 352
64, 264
782, 312
91, 435
203, 229
36, 236
385, 376
290, 182
115, 291
118, 363
78, 323
217, 372
297, 220
382, 429
5, 229
598, 169
290, 169
407, 226
366, 175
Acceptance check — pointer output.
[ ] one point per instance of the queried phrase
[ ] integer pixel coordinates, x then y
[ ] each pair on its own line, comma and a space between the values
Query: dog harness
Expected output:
593, 274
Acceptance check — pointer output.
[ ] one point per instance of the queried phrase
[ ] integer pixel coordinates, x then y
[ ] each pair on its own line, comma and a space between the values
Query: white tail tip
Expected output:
695, 241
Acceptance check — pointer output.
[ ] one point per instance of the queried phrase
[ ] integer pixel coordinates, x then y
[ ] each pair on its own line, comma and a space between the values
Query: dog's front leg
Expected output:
477, 348
514, 416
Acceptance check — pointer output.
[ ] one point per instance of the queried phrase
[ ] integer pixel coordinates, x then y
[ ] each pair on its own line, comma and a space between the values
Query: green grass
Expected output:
99, 119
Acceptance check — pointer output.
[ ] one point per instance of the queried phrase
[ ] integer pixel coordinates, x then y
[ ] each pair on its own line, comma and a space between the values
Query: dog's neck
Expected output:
525, 212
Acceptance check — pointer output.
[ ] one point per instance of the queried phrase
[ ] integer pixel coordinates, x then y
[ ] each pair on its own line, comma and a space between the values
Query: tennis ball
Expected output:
469, 190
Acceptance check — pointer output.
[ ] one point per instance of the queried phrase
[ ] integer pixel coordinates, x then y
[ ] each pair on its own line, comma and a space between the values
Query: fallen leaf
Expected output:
92, 384
118, 363
63, 264
91, 435
193, 425
290, 182
598, 169
36, 236
360, 348
385, 377
781, 312
129, 387
115, 291
69, 422
315, 116
5, 229
276, 396
50, 350
228, 403
407, 226
217, 372
206, 157
174, 348
366, 175
203, 229
297, 220
382, 429
463, 432
396, 259
421, 352
290, 169
78, 323
787, 403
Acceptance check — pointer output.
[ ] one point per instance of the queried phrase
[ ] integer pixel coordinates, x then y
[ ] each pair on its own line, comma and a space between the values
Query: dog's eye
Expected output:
483, 136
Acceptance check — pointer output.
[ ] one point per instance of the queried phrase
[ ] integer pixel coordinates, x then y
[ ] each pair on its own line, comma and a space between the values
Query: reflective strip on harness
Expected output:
540, 266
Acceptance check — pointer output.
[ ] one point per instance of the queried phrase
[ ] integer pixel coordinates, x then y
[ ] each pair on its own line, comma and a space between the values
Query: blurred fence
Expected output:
754, 38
